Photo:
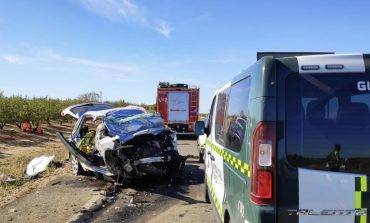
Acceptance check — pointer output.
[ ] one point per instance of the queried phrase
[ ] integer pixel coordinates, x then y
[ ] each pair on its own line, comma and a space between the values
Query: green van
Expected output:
288, 140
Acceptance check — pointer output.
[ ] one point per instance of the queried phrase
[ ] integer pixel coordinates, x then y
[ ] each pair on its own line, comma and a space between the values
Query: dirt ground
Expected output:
18, 148
58, 196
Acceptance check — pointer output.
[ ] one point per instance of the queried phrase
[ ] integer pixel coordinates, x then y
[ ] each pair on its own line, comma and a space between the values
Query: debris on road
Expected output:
56, 183
5, 178
12, 210
130, 191
38, 165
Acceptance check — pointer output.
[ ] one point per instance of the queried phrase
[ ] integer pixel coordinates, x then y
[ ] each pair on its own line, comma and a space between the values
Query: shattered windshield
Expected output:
119, 125
124, 113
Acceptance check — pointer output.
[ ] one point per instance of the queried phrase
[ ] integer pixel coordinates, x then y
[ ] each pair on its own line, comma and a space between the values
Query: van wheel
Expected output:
227, 217
201, 157
76, 166
206, 194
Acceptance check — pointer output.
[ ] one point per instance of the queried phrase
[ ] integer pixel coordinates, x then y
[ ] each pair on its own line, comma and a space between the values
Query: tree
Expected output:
17, 109
91, 97
3, 116
119, 103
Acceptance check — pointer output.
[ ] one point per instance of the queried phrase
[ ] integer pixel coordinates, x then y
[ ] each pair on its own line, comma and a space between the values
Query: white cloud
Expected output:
55, 57
125, 10
51, 60
12, 59
116, 10
164, 29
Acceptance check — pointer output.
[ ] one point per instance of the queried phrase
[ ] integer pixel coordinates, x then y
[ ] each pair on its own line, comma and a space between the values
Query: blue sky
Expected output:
125, 47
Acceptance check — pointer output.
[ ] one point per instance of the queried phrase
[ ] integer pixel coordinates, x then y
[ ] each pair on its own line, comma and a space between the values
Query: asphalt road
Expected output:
160, 202
87, 199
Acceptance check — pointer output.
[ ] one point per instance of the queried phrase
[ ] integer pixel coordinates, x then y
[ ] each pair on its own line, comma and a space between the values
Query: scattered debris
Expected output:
134, 203
56, 183
38, 165
110, 199
139, 204
130, 191
57, 163
5, 178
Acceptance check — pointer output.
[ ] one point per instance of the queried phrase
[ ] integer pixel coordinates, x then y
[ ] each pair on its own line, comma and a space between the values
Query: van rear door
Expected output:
324, 148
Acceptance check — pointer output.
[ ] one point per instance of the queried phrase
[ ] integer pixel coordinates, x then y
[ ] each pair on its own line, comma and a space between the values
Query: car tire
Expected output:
201, 157
76, 166
206, 194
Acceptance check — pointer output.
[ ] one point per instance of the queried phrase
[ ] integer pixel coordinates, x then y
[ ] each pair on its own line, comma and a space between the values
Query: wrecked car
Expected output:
124, 143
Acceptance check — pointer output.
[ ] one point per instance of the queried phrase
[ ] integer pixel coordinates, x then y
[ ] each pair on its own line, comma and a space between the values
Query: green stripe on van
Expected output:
238, 164
360, 188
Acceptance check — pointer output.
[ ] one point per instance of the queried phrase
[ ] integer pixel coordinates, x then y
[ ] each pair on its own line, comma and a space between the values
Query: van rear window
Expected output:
328, 121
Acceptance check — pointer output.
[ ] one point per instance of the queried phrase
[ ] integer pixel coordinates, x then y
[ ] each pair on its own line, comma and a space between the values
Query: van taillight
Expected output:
263, 163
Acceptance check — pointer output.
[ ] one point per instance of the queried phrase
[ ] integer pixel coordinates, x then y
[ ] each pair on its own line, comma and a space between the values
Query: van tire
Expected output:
76, 166
227, 217
206, 194
201, 157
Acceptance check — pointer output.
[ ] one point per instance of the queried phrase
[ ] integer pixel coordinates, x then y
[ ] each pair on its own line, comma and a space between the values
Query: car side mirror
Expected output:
199, 128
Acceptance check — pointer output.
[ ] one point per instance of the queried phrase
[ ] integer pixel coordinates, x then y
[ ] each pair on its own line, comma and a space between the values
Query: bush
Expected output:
18, 109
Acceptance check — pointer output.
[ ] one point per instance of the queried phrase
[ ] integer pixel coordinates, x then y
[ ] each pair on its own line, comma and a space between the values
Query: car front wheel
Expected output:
76, 166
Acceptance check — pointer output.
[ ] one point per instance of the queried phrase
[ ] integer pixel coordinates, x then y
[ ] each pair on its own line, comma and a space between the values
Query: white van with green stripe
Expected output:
288, 140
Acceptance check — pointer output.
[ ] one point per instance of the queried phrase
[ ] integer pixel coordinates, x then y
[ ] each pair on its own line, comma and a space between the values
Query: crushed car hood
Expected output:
129, 127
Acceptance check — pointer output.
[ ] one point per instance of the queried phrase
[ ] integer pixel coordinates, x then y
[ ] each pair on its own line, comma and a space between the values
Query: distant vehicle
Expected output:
179, 106
288, 141
125, 143
201, 143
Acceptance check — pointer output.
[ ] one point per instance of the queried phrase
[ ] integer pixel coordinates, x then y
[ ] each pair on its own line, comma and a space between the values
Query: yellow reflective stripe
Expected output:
363, 219
215, 200
363, 180
363, 184
232, 160
360, 188
358, 196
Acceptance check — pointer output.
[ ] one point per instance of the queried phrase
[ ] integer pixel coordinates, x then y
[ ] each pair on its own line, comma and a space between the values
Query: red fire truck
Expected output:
179, 106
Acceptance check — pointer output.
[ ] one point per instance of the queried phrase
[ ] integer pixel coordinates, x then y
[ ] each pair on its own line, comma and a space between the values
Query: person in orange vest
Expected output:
26, 127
